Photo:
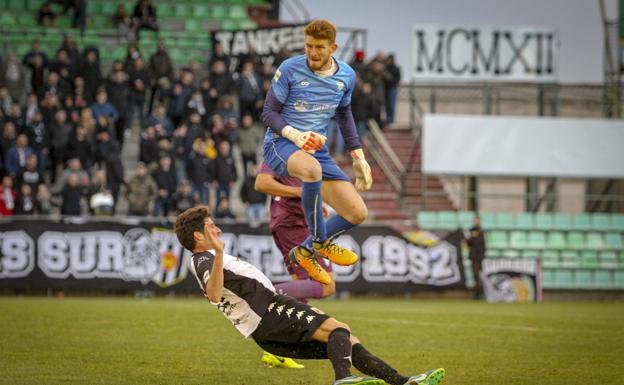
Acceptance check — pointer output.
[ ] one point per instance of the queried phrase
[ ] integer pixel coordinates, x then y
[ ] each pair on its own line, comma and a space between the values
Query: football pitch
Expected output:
187, 341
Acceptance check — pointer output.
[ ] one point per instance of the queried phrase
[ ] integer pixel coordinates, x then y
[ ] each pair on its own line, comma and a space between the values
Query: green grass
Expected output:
187, 341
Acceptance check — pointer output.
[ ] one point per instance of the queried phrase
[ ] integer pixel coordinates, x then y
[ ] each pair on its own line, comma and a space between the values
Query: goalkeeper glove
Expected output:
363, 176
308, 141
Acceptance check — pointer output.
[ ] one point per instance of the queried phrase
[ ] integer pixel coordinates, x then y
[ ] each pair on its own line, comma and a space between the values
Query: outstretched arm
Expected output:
267, 184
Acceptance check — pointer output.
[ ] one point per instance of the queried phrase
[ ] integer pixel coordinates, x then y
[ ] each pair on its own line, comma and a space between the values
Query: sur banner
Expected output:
113, 256
479, 53
512, 280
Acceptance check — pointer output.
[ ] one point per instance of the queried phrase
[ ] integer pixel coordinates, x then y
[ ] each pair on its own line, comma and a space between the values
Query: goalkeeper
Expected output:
306, 92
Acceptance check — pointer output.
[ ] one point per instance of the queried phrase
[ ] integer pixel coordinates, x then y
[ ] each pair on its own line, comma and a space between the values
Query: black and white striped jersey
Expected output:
247, 292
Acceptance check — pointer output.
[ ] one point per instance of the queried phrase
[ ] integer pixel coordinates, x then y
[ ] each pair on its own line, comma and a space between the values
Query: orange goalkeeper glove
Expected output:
308, 141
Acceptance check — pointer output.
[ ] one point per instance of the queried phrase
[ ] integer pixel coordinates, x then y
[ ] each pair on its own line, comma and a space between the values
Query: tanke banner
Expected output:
109, 256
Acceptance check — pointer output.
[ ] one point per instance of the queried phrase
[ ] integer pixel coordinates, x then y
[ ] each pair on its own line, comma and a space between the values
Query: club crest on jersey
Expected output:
277, 76
340, 85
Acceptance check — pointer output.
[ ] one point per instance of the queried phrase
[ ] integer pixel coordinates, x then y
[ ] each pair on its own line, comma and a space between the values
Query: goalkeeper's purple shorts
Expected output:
277, 150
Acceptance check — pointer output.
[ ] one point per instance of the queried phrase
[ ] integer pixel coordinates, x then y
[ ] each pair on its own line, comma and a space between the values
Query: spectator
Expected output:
210, 96
249, 87
12, 76
104, 142
56, 86
182, 145
63, 67
114, 172
221, 132
80, 147
30, 175
255, 201
167, 184
91, 73
7, 140
160, 121
74, 168
79, 18
225, 172
16, 156
161, 69
197, 104
392, 87
144, 17
200, 171
17, 117
363, 107
218, 54
82, 98
118, 93
71, 196
69, 46
102, 107
32, 107
139, 80
25, 202
5, 102
358, 61
148, 152
101, 200
49, 106
7, 197
184, 198
223, 210
283, 54
43, 199
39, 139
179, 97
122, 21
476, 243
249, 138
61, 131
45, 16
376, 75
132, 54
251, 56
220, 79
141, 190
36, 60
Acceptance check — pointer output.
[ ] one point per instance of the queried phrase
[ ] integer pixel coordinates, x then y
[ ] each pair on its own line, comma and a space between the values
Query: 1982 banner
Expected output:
111, 256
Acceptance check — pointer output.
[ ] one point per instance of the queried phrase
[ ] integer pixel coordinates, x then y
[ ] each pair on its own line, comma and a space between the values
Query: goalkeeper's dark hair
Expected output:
189, 222
321, 29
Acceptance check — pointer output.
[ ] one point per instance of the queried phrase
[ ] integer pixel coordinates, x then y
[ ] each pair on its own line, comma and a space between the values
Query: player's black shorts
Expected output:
288, 323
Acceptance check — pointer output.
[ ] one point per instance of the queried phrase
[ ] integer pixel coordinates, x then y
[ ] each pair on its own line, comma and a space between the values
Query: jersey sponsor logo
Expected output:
303, 106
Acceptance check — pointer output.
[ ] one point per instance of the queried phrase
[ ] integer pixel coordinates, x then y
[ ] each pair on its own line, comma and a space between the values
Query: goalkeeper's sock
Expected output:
373, 366
339, 352
313, 207
336, 225
301, 289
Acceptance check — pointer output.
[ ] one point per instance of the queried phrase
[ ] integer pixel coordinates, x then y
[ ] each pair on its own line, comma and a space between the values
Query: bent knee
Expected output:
357, 215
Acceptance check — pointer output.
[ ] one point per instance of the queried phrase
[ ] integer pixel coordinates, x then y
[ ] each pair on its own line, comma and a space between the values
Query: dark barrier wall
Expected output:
113, 256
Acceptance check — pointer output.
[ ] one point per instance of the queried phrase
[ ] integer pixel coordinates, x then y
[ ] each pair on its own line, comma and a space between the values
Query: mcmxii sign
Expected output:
522, 54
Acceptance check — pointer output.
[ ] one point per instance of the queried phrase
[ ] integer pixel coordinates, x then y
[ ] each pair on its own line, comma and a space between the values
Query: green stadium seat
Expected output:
583, 278
229, 24
193, 25
518, 239
621, 257
582, 222
465, 219
505, 221
544, 221
556, 240
550, 258
109, 8
537, 240
594, 240
576, 240
182, 10
26, 20
496, 239
608, 259
493, 253
7, 20
247, 24
511, 253
16, 5
617, 222
602, 279
564, 278
218, 12
238, 12
530, 254
487, 220
447, 220
548, 278
601, 221
524, 221
562, 222
165, 10
427, 220
589, 259
34, 5
201, 11
618, 279
569, 259
614, 241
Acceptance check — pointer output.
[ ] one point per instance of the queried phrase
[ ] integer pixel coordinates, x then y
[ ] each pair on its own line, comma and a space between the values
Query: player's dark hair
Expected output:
321, 29
188, 222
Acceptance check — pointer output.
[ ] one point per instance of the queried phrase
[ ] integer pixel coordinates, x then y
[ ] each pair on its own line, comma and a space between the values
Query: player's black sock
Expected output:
339, 352
373, 366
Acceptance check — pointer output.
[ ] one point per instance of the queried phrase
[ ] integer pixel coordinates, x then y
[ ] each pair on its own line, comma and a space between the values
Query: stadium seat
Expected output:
193, 25
524, 221
608, 259
238, 12
601, 221
182, 10
530, 254
16, 5
556, 240
550, 258
518, 239
165, 10
464, 219
537, 240
447, 220
582, 222
34, 5
569, 259
583, 278
562, 222
564, 278
218, 12
614, 241
576, 240
496, 239
493, 253
594, 240
618, 279
26, 20
544, 221
589, 259
602, 279
7, 20
548, 278
511, 253
505, 221
617, 222
110, 8
427, 220
487, 220
247, 24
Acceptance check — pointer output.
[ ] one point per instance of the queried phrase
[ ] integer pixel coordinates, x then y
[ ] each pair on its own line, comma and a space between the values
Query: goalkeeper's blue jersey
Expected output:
310, 101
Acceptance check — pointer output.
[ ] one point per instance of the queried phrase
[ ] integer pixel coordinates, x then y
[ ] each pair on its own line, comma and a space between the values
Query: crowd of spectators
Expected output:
65, 122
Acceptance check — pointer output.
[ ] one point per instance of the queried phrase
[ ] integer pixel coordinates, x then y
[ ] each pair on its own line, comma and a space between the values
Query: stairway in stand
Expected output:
383, 201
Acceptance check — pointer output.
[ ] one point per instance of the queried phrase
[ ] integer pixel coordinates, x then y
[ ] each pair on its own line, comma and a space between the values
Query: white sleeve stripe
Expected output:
192, 263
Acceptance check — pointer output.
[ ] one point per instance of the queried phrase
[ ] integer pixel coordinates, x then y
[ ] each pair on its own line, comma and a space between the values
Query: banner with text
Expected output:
512, 280
111, 256
459, 53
